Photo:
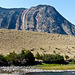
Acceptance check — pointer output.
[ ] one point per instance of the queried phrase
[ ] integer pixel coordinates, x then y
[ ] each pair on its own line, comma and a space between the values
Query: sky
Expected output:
65, 7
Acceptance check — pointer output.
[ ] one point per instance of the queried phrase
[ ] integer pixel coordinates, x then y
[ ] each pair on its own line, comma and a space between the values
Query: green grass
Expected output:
55, 66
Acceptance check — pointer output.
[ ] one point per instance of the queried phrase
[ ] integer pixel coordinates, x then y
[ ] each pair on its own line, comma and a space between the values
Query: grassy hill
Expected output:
12, 40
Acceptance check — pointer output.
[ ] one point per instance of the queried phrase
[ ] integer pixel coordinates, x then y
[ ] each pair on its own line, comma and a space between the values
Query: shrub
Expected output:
67, 57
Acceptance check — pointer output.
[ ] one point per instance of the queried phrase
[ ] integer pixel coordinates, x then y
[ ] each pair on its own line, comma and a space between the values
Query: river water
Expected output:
51, 73
45, 73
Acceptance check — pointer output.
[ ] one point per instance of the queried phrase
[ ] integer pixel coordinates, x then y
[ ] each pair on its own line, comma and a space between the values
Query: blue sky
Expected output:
65, 7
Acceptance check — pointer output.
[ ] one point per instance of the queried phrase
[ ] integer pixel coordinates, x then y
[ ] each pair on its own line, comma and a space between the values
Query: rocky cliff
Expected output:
42, 18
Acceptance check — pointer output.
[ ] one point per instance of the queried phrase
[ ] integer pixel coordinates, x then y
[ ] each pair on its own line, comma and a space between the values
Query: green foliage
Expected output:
22, 58
27, 58
46, 58
58, 59
2, 60
22, 55
67, 57
12, 58
55, 59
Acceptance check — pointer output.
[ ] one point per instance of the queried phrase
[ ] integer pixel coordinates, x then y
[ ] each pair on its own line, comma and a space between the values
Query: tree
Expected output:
3, 61
53, 59
29, 57
22, 55
58, 59
12, 58
46, 58
22, 58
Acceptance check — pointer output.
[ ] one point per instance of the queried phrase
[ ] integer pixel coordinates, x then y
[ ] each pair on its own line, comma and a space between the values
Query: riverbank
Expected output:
16, 70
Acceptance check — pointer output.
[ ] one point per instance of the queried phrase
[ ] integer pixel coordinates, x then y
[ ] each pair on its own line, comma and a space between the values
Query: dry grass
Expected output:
12, 40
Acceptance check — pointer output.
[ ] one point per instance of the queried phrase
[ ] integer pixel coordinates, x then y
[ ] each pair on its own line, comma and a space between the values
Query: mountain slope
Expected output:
14, 40
42, 18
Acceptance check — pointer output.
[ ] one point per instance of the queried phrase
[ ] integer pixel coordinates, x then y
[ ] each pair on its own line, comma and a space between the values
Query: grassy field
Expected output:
55, 66
13, 40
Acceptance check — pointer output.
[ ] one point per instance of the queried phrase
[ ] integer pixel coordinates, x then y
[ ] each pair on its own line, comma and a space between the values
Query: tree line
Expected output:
55, 59
25, 58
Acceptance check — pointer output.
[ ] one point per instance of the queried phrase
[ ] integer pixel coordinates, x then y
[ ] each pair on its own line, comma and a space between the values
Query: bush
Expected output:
67, 57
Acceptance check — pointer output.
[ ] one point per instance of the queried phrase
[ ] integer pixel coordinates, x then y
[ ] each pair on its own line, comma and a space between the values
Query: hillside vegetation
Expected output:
13, 40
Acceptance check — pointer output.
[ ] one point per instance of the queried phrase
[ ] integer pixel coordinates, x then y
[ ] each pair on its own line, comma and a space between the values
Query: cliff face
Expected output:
42, 18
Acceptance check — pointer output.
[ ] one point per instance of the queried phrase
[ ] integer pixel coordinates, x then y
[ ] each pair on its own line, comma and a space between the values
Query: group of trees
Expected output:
24, 58
27, 58
50, 58
54, 59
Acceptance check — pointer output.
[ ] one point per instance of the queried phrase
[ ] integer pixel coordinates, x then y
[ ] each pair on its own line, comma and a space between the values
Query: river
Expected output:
43, 73
51, 73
